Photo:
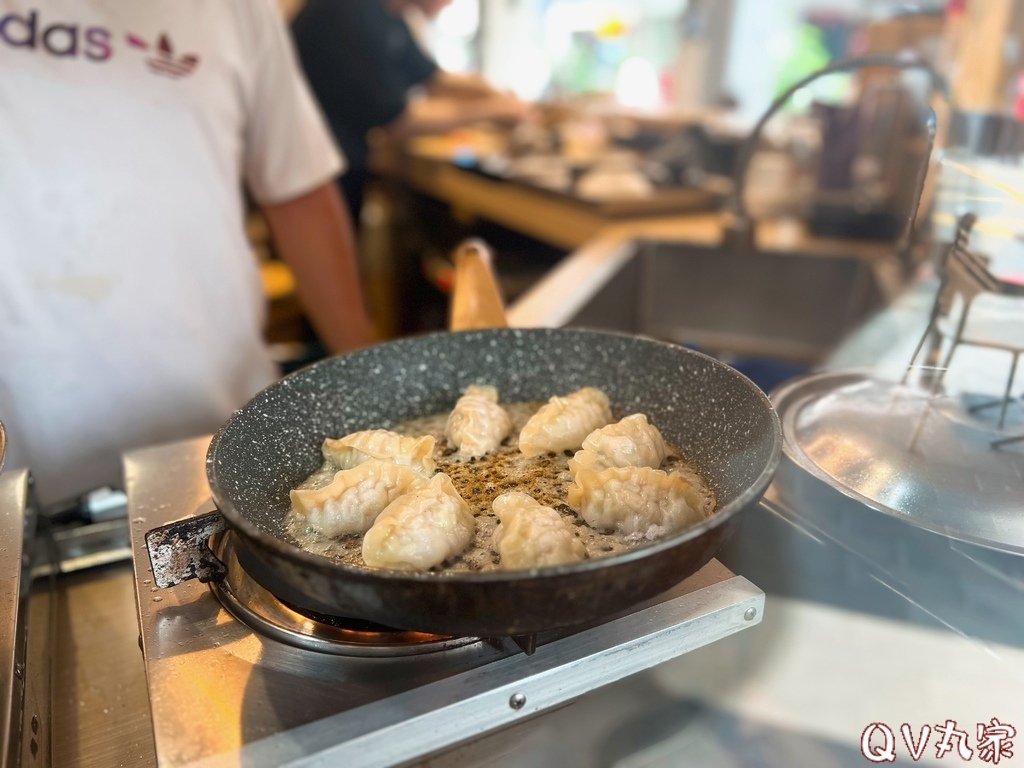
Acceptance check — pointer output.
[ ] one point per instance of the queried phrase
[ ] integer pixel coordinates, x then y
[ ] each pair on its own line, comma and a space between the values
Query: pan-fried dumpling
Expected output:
351, 450
562, 423
531, 535
421, 529
353, 499
639, 501
477, 424
630, 442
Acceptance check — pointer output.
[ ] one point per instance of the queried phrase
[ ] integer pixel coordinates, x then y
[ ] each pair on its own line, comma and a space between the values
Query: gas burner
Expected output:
258, 608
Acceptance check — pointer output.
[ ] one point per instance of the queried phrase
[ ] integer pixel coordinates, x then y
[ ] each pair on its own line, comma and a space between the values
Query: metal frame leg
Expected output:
985, 406
941, 374
1009, 388
1007, 441
943, 368
920, 345
1003, 401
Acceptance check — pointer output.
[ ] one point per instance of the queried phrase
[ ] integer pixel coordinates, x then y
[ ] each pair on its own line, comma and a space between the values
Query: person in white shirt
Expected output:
130, 304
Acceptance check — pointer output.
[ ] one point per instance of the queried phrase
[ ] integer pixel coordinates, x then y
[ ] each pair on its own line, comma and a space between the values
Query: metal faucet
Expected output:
739, 231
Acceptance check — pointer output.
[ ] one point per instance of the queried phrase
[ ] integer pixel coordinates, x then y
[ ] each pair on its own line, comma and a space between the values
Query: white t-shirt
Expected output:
130, 302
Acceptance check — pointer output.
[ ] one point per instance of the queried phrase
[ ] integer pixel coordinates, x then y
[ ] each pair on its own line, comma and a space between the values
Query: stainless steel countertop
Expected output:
100, 703
100, 699
101, 714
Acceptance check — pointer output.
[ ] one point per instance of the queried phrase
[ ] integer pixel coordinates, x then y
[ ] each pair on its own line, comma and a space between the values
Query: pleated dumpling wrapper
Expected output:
640, 502
629, 442
352, 450
532, 535
421, 529
562, 423
477, 424
353, 499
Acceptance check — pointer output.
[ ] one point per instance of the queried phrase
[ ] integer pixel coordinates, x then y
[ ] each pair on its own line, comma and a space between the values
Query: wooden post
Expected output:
980, 74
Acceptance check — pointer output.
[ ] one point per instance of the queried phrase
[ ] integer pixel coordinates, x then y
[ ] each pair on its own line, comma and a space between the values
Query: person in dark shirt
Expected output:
362, 62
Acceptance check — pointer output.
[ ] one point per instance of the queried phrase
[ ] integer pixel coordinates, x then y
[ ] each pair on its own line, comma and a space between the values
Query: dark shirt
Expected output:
361, 62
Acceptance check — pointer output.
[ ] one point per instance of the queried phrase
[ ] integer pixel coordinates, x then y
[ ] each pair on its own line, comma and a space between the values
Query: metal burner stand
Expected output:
222, 694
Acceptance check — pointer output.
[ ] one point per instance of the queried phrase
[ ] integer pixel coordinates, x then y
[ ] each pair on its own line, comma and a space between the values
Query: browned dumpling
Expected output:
639, 501
420, 529
477, 424
532, 535
351, 450
562, 423
353, 499
630, 442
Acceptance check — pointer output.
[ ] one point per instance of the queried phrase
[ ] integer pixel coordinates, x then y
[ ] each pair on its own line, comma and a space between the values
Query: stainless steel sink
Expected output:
785, 305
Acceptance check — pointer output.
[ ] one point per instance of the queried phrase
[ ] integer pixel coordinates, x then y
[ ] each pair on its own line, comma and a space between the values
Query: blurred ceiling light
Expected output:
460, 19
597, 16
610, 28
531, 76
637, 85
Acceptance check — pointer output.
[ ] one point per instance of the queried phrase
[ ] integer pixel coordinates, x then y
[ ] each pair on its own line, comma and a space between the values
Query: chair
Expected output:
964, 277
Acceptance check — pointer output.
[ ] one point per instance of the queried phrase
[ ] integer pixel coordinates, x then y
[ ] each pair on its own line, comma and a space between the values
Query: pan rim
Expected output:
289, 551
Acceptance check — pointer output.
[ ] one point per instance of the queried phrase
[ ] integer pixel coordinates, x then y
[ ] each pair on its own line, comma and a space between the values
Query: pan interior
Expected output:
720, 419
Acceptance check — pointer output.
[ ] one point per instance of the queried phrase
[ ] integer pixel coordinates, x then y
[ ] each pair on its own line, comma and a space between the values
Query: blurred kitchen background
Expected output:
640, 112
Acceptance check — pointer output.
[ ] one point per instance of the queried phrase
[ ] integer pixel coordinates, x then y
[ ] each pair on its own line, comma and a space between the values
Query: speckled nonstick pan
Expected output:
724, 424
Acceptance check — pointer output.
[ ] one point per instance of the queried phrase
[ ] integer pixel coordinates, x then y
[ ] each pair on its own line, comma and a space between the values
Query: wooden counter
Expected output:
564, 223
542, 216
599, 245
552, 217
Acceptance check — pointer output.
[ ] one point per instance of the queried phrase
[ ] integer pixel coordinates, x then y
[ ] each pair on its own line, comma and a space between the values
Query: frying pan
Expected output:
723, 422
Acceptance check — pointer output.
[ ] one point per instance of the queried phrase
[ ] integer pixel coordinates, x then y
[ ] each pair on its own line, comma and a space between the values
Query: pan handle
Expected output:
180, 551
476, 298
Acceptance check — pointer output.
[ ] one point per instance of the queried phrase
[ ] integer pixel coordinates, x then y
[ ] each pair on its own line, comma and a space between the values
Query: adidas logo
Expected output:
163, 61
71, 40
61, 39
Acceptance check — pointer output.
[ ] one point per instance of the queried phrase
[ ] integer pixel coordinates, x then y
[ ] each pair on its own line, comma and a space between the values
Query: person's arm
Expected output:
430, 115
446, 100
459, 86
314, 237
